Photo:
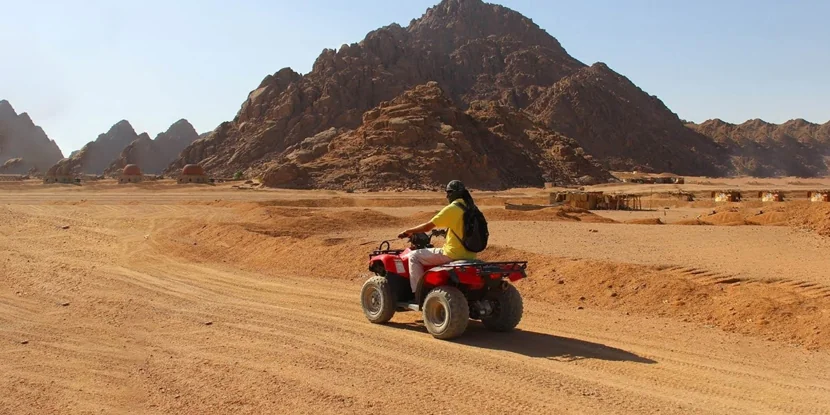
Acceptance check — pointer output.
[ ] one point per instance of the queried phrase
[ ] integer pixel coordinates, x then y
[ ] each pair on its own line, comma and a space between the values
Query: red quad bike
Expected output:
449, 295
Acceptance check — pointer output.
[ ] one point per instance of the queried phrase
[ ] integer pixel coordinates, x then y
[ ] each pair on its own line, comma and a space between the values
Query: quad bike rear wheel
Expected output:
377, 300
507, 309
446, 312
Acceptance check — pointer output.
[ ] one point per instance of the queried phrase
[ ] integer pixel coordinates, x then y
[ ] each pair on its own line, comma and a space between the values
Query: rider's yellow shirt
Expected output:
452, 218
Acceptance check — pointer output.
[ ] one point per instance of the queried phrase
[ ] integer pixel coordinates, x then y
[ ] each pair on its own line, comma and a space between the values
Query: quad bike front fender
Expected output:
387, 263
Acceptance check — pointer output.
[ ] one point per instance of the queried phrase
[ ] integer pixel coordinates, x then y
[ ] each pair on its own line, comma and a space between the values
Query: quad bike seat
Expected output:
459, 263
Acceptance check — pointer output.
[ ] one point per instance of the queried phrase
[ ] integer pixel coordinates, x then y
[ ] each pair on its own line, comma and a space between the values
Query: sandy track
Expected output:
299, 344
133, 338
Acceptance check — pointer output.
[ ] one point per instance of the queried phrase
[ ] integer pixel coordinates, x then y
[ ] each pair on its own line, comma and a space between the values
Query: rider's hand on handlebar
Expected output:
403, 235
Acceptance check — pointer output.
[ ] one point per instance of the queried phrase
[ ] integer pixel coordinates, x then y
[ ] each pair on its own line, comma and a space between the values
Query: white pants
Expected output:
420, 258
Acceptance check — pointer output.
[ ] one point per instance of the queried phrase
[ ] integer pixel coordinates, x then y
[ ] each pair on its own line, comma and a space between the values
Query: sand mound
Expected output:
755, 309
648, 221
692, 222
304, 242
814, 216
725, 218
303, 223
777, 218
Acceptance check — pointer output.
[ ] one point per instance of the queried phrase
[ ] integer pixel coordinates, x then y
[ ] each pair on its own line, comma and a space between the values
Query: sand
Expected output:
169, 299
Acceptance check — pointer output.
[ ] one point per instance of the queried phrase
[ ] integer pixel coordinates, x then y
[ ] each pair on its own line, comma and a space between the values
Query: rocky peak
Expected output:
719, 122
462, 20
799, 123
756, 123
96, 155
6, 110
26, 119
714, 123
25, 142
120, 129
281, 79
181, 130
153, 156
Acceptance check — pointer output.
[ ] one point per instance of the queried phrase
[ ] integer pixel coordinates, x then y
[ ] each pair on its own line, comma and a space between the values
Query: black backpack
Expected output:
475, 229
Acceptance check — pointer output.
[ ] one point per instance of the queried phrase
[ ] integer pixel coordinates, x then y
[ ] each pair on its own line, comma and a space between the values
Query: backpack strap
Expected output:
464, 208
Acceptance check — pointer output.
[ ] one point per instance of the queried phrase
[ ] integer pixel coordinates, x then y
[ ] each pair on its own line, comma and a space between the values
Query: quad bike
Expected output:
448, 295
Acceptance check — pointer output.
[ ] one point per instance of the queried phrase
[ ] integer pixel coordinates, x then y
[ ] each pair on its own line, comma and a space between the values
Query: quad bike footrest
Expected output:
408, 307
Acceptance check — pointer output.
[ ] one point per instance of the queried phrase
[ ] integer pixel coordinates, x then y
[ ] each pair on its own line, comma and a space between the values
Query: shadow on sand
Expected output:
533, 344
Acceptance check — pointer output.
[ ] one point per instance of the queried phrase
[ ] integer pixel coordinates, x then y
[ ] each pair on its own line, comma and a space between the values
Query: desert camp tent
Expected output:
597, 200
726, 196
819, 196
582, 200
771, 196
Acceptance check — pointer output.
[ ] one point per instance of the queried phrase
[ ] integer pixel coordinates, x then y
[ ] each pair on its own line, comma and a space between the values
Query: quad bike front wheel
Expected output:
377, 300
507, 309
446, 312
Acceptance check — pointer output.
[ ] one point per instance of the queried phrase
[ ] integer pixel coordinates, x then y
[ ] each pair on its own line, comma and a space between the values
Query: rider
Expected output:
450, 217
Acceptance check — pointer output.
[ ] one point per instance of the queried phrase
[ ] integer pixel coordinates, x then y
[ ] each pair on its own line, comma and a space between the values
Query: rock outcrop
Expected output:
24, 146
97, 155
758, 148
421, 140
153, 156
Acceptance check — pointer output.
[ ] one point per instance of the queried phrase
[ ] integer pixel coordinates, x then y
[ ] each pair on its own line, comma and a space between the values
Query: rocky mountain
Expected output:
153, 156
617, 122
97, 155
24, 146
421, 140
758, 148
475, 52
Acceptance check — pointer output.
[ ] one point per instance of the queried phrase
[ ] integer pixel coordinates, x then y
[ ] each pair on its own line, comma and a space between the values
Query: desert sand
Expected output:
158, 298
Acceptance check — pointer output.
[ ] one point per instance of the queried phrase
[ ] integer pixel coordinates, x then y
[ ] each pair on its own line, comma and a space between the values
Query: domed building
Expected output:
193, 173
131, 174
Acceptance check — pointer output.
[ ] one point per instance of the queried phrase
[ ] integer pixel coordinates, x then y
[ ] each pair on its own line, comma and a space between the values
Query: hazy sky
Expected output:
79, 68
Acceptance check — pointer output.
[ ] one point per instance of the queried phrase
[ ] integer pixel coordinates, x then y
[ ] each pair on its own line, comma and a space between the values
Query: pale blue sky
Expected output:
79, 68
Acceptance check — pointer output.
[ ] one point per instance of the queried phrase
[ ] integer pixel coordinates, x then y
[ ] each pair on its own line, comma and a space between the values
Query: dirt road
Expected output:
132, 308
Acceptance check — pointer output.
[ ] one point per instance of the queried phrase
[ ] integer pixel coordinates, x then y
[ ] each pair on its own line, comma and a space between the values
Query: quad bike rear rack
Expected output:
490, 268
491, 273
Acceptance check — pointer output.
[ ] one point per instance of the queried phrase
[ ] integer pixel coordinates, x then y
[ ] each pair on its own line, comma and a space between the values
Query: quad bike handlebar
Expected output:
434, 233
416, 240
424, 240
